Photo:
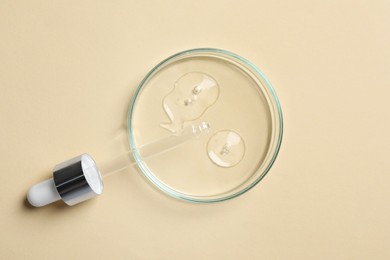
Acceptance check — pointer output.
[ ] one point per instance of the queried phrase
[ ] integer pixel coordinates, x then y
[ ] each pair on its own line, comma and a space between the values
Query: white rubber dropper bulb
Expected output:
43, 193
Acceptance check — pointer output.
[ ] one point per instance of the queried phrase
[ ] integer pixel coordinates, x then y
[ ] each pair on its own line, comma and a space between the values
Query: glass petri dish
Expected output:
237, 101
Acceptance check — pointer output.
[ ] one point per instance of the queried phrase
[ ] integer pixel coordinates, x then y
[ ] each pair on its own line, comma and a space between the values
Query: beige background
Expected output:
67, 73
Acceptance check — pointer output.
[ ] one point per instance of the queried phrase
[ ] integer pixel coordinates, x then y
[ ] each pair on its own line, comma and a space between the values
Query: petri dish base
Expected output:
233, 97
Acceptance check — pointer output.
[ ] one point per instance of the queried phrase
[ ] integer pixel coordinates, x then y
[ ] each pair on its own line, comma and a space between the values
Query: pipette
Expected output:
79, 178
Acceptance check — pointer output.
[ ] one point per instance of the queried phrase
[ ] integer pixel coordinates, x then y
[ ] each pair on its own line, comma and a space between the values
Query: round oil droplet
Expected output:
226, 148
192, 95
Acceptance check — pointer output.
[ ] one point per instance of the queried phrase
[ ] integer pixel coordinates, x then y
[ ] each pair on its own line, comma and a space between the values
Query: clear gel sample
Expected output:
192, 95
226, 148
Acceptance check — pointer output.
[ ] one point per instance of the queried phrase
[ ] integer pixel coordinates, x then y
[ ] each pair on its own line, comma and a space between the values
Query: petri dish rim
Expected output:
198, 199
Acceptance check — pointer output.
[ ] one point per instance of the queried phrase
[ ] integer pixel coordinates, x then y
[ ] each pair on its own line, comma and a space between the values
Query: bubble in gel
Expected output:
192, 95
226, 148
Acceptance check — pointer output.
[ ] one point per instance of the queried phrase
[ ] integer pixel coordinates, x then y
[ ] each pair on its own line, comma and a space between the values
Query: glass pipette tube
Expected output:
154, 148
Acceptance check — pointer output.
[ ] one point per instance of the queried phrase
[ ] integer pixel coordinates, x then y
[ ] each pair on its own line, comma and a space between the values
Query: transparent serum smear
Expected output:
191, 96
226, 148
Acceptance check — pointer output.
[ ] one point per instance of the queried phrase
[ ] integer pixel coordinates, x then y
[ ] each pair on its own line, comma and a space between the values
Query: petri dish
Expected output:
238, 103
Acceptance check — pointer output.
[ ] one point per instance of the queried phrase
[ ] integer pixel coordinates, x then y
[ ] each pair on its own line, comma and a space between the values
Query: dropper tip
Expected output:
202, 128
205, 126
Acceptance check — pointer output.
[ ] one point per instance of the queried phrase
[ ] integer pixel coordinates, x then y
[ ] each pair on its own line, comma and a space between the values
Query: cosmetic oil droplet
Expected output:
191, 96
226, 148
